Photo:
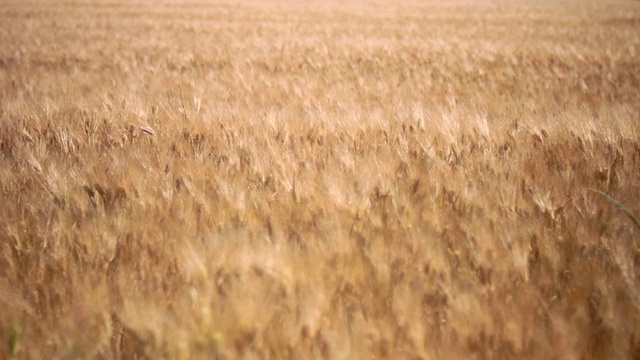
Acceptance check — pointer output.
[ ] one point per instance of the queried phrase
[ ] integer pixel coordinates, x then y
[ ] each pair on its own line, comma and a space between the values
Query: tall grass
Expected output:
338, 180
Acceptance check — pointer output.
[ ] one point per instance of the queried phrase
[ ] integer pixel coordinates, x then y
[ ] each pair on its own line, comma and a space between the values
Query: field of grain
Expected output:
309, 179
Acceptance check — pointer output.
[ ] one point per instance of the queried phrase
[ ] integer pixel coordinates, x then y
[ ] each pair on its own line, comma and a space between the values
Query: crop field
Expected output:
310, 179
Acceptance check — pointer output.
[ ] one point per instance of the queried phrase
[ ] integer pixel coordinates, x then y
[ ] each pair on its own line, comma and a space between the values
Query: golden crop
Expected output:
345, 180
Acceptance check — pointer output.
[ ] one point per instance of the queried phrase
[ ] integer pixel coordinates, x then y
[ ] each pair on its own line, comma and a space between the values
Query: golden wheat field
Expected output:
308, 179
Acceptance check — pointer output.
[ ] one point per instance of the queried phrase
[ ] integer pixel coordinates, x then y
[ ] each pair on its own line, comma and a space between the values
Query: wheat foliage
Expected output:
345, 180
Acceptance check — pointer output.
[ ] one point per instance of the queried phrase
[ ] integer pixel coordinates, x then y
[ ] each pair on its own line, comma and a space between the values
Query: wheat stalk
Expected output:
619, 206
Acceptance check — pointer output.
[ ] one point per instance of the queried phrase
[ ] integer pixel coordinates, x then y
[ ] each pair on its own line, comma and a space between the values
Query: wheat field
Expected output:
308, 179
